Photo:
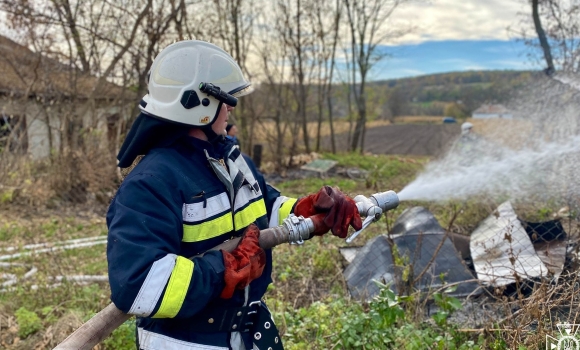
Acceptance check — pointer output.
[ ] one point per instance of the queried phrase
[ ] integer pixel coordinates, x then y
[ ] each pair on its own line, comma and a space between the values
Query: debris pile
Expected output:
418, 254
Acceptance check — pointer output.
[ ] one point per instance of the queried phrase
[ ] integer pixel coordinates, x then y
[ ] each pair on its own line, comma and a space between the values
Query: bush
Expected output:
28, 322
123, 338
384, 323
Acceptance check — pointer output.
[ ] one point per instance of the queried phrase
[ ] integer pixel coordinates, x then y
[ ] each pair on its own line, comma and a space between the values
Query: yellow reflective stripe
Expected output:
208, 229
250, 213
176, 289
285, 209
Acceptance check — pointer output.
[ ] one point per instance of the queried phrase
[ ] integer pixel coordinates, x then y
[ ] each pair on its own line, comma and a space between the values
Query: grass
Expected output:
309, 298
61, 309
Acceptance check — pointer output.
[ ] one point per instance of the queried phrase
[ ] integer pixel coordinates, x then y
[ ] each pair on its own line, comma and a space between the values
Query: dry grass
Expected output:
60, 180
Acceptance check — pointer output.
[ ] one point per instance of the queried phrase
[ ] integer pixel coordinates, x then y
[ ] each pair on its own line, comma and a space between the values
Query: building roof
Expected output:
491, 109
23, 71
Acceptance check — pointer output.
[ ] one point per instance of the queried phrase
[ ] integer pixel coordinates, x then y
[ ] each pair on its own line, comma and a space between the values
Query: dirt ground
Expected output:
404, 139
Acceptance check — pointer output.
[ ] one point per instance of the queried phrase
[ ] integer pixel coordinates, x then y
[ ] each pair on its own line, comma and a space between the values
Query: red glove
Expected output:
245, 263
340, 210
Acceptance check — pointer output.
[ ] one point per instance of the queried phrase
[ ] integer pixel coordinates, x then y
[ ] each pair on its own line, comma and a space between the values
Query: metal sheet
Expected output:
501, 249
417, 235
373, 262
349, 253
319, 165
553, 255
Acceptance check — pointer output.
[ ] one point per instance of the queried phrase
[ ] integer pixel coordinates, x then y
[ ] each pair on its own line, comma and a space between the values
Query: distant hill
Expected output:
458, 78
455, 94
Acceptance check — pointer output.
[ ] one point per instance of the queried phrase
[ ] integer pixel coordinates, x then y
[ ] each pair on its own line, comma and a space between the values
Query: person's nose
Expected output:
229, 108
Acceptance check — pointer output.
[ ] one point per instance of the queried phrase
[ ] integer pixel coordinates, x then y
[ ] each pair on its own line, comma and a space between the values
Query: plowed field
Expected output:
404, 139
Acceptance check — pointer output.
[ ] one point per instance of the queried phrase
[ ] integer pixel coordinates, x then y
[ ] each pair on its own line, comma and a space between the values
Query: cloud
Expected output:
473, 67
512, 64
458, 19
382, 73
455, 61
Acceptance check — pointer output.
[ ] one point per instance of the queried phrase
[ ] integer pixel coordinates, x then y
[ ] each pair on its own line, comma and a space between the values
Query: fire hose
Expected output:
294, 230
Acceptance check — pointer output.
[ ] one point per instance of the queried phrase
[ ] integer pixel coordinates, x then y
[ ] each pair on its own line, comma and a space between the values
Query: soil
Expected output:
404, 139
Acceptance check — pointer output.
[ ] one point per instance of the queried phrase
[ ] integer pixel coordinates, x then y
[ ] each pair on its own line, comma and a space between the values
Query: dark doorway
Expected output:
13, 136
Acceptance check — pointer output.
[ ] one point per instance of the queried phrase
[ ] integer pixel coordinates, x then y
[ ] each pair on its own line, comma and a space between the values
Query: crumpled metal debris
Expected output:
423, 246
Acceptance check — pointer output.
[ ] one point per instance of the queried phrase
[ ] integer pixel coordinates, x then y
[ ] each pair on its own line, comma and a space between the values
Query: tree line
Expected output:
291, 48
307, 57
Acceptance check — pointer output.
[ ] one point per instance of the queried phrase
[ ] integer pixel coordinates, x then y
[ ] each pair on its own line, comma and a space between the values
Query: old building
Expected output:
47, 106
490, 111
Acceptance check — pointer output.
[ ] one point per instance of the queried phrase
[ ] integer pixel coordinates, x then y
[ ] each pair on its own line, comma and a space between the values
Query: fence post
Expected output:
257, 155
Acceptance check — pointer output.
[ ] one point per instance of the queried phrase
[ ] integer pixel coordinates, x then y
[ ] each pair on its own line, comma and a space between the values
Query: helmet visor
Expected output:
242, 91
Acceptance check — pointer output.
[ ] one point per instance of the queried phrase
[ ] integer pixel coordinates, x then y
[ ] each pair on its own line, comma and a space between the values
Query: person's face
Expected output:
219, 127
233, 131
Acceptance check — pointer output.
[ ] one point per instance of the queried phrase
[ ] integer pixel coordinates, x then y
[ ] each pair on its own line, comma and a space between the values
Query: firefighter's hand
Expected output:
245, 263
340, 210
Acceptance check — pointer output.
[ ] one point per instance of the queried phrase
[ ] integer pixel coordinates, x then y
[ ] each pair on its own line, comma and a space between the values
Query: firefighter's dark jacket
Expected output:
171, 207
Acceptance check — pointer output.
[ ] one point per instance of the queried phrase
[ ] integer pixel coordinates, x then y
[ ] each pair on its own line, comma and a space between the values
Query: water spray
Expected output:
516, 173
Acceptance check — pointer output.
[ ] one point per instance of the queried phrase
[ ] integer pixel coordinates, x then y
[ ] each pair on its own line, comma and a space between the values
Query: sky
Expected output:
457, 35
431, 57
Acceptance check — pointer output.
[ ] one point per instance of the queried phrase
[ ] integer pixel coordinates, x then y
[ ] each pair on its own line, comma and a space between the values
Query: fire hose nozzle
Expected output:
299, 228
373, 207
387, 200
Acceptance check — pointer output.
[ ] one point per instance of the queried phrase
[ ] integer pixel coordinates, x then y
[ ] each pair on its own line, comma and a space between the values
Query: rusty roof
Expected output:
23, 71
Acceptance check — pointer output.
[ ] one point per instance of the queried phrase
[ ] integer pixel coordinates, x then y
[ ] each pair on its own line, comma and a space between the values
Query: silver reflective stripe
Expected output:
236, 341
221, 173
195, 212
153, 286
276, 211
240, 165
232, 167
244, 196
245, 169
154, 341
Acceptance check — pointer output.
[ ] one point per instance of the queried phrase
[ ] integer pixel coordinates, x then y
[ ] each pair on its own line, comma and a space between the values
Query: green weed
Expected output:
123, 338
28, 322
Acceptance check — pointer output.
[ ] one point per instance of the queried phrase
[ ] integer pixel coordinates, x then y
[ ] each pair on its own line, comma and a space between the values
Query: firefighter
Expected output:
191, 191
466, 128
232, 131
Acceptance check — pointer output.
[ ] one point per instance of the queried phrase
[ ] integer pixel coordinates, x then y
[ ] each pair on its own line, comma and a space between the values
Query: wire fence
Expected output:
508, 272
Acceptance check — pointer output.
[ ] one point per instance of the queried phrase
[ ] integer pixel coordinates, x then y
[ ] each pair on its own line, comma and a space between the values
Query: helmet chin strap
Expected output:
211, 135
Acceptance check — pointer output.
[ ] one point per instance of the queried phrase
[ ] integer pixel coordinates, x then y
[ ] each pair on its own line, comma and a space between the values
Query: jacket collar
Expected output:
218, 150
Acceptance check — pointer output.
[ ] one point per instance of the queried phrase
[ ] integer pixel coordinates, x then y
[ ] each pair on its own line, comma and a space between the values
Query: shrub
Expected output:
28, 322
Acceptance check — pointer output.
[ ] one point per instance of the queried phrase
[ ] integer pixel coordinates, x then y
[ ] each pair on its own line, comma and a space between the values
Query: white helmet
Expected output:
189, 80
466, 127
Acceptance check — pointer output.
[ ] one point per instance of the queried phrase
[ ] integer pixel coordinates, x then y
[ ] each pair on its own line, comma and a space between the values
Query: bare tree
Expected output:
367, 20
274, 92
85, 34
297, 34
232, 27
326, 25
542, 35
555, 34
